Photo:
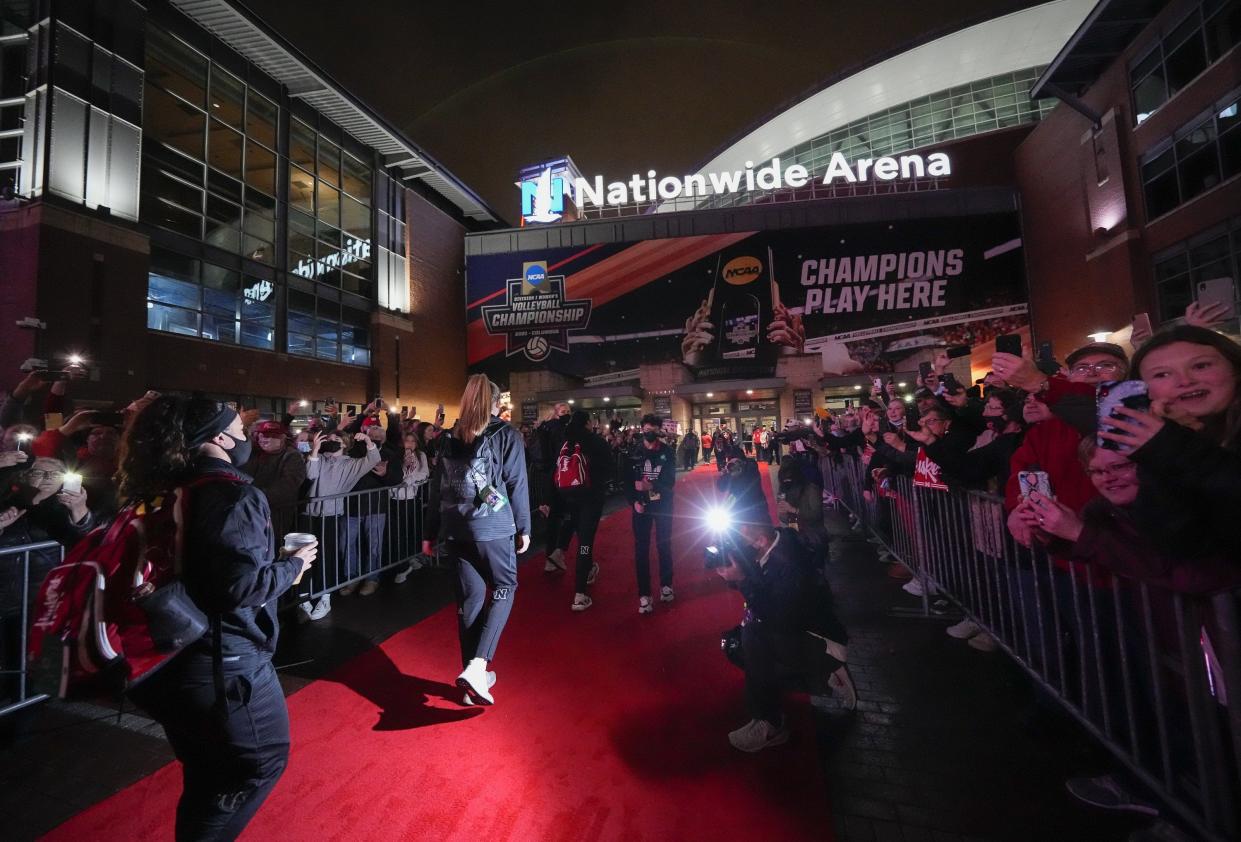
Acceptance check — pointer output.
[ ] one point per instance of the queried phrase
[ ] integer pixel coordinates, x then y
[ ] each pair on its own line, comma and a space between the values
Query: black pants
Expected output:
775, 662
583, 518
661, 517
483, 568
230, 762
555, 519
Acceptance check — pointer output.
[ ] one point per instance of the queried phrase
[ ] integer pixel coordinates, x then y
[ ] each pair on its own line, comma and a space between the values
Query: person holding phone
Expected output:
219, 700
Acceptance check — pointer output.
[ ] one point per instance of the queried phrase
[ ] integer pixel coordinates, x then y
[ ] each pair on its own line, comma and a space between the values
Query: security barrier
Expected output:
21, 572
1146, 671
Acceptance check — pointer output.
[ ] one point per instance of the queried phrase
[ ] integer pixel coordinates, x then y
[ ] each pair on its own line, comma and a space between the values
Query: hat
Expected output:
270, 428
369, 421
1111, 349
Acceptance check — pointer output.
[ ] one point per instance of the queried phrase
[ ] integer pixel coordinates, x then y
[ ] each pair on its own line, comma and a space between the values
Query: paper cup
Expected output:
294, 541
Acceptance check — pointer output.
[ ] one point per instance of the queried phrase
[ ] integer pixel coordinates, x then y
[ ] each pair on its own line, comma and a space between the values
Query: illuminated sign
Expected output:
259, 291
542, 197
353, 251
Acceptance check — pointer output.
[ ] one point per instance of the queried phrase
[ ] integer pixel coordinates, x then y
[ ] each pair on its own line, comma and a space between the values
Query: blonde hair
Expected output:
477, 402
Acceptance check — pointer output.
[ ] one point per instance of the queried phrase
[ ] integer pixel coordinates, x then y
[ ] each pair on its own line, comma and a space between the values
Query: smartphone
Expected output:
1044, 351
1117, 393
1219, 291
955, 351
1008, 343
1045, 359
1029, 482
1142, 325
878, 381
51, 376
951, 383
924, 369
848, 403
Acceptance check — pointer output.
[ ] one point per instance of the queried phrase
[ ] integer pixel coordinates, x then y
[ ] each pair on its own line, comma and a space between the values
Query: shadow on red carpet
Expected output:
607, 726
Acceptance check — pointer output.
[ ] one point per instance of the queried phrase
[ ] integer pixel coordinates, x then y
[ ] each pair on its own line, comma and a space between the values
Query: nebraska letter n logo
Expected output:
500, 594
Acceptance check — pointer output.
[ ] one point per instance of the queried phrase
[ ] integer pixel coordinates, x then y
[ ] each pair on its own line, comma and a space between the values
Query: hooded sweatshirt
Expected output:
496, 457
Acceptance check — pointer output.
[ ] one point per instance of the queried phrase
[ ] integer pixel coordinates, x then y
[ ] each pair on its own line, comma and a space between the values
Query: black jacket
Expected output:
659, 466
746, 489
787, 596
229, 567
503, 465
599, 461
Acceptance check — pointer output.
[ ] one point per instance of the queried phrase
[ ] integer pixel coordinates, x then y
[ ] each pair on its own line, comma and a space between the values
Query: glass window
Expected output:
1197, 161
228, 97
301, 189
301, 243
328, 204
356, 219
167, 290
302, 145
260, 168
1185, 62
224, 149
172, 121
1223, 29
223, 224
357, 178
261, 118
329, 162
174, 66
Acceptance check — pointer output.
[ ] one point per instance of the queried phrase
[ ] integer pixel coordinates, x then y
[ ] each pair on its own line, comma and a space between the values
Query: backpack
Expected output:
464, 477
572, 468
117, 603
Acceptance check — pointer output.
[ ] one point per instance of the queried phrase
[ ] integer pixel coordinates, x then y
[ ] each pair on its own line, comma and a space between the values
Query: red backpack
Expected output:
572, 469
117, 603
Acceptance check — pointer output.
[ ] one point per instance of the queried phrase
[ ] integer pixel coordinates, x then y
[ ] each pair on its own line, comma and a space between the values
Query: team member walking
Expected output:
584, 470
652, 477
485, 521
218, 700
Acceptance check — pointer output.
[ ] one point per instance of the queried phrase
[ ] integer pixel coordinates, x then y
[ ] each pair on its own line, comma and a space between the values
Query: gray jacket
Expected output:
336, 475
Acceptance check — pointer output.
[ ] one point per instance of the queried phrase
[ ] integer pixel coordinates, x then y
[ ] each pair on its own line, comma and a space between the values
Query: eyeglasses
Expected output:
1095, 368
1120, 469
39, 475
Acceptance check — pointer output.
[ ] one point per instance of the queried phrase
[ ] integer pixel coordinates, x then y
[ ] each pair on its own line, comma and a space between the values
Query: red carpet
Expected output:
607, 726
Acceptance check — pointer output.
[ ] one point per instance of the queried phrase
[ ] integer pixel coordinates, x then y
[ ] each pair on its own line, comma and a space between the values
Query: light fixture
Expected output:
909, 399
857, 387
303, 403
806, 421
75, 359
749, 391
1101, 336
901, 385
710, 394
571, 401
606, 399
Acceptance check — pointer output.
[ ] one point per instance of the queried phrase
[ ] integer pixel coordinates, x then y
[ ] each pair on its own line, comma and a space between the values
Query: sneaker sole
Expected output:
578, 607
777, 740
474, 694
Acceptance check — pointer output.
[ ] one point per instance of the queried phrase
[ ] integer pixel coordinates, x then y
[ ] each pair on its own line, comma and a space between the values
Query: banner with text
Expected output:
866, 298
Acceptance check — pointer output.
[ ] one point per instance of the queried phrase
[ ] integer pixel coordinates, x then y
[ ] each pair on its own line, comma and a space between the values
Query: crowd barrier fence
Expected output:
1146, 671
22, 569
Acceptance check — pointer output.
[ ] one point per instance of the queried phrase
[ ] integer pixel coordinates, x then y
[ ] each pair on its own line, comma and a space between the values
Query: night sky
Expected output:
486, 88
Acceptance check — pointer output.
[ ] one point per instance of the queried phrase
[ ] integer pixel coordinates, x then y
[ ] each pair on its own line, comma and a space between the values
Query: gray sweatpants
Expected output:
486, 587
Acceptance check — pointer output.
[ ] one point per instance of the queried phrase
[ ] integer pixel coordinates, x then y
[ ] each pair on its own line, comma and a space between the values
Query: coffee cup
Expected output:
294, 541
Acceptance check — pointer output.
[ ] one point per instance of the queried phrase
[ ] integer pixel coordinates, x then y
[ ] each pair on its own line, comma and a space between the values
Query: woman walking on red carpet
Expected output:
485, 519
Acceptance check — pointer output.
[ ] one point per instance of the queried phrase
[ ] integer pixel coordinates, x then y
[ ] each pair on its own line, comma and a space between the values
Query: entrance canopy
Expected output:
717, 391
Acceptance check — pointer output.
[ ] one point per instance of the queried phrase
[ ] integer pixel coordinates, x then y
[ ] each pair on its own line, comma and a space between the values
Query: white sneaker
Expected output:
304, 610
403, 575
581, 602
491, 682
555, 561
913, 587
983, 642
757, 735
368, 587
593, 574
666, 594
964, 630
645, 606
474, 681
323, 608
843, 688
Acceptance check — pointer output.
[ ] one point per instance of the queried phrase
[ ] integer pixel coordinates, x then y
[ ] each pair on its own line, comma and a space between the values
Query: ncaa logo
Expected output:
742, 270
534, 277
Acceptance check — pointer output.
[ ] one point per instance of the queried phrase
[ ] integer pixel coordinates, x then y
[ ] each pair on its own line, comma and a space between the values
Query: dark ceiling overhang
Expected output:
1107, 32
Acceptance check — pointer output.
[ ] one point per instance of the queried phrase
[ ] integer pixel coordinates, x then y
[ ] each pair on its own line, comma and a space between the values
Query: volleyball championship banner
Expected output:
864, 298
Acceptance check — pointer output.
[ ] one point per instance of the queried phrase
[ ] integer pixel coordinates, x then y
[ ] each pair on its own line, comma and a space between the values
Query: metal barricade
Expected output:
362, 535
1153, 675
21, 572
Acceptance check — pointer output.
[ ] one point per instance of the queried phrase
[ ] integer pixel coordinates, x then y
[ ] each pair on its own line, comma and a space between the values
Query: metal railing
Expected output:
21, 572
362, 534
1148, 672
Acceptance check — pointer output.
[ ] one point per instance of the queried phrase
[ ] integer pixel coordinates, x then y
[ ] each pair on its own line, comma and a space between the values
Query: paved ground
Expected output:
948, 743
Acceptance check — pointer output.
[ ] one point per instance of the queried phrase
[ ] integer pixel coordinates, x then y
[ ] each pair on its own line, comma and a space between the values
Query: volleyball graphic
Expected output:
537, 347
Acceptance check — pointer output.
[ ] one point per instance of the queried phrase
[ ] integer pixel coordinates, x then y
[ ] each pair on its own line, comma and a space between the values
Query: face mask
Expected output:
330, 447
240, 454
995, 422
651, 436
304, 447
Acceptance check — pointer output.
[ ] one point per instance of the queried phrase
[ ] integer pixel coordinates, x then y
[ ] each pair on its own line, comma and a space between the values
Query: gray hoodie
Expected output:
336, 475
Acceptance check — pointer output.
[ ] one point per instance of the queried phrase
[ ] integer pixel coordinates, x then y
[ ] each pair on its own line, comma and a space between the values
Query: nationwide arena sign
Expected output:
542, 198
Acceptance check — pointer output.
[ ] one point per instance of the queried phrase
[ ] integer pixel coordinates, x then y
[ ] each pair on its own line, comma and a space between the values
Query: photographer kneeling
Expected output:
791, 637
